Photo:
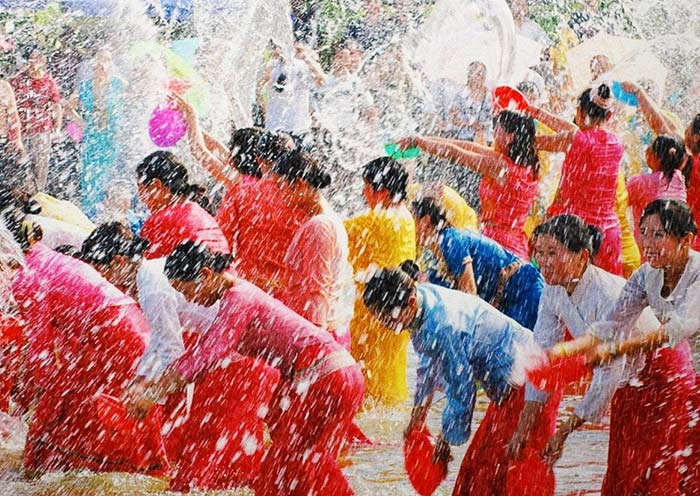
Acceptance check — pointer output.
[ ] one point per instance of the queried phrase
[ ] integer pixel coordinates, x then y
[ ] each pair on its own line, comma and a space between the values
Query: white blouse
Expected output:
679, 312
590, 301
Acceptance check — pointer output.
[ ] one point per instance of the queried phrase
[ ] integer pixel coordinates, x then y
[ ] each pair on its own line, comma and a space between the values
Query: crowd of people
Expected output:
231, 342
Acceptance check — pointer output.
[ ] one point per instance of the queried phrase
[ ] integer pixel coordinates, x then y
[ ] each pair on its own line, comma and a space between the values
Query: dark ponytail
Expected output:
671, 154
189, 258
572, 232
522, 150
110, 240
595, 103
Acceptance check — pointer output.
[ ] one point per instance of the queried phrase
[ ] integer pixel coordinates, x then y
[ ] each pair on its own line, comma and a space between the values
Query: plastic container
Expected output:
623, 96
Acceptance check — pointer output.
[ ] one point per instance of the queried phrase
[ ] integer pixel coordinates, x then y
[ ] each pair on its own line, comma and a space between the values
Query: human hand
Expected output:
630, 87
555, 447
405, 143
138, 398
516, 445
443, 452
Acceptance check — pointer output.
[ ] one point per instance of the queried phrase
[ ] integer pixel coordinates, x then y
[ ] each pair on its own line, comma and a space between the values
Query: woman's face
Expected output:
558, 265
652, 159
659, 248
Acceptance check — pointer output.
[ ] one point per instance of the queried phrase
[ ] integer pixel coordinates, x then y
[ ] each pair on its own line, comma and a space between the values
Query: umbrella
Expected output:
631, 58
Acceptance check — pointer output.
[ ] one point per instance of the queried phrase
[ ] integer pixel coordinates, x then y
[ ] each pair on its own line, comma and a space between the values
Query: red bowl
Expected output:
508, 98
418, 450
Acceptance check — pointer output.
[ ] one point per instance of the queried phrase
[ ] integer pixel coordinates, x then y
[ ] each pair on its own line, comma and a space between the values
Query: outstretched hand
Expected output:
443, 452
405, 143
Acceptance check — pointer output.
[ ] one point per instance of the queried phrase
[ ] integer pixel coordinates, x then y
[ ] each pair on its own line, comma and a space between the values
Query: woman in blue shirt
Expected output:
473, 263
465, 340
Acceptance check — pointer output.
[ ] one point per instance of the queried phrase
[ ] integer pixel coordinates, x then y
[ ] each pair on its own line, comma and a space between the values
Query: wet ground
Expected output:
375, 471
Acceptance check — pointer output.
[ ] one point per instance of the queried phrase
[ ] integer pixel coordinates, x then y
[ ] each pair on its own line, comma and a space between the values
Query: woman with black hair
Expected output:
383, 236
666, 158
510, 173
466, 341
190, 432
589, 175
163, 186
320, 389
83, 339
669, 284
471, 262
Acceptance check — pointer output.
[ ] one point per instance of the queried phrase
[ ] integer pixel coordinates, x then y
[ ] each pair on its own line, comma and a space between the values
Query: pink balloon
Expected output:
166, 126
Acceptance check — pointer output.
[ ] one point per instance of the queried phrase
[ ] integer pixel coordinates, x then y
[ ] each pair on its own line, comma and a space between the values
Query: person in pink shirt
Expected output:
83, 339
321, 386
665, 157
40, 113
164, 188
318, 282
588, 183
510, 174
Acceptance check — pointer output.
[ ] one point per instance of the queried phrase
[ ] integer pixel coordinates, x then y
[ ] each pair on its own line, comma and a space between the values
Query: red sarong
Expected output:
648, 427
308, 429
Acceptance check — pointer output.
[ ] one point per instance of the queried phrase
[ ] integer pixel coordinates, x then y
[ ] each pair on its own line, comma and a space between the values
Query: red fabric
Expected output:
307, 430
35, 98
66, 432
504, 208
588, 188
182, 221
560, 374
11, 344
85, 337
690, 484
694, 196
648, 426
418, 452
260, 226
222, 443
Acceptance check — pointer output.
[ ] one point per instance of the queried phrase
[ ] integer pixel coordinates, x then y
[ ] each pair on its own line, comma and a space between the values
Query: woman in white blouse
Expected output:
655, 451
576, 295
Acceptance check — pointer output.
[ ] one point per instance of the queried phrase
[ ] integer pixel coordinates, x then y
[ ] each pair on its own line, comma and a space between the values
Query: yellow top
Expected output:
64, 211
384, 238
631, 258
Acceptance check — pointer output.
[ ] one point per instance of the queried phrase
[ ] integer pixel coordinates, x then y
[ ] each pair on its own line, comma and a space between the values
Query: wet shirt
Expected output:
488, 258
589, 172
679, 312
35, 97
560, 312
182, 221
463, 340
251, 322
168, 314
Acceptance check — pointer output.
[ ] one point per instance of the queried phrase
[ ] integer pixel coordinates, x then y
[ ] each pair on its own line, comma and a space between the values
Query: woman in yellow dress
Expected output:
384, 236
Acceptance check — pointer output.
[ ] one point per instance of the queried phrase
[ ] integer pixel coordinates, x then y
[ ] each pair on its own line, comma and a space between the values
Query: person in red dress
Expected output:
321, 386
510, 174
164, 188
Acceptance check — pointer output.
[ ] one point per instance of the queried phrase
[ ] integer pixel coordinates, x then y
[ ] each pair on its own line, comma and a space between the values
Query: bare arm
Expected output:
555, 143
200, 143
653, 114
528, 418
467, 282
489, 165
57, 112
465, 145
552, 121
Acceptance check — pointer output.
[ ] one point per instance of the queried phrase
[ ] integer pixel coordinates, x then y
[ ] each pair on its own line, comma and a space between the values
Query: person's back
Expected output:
182, 221
259, 226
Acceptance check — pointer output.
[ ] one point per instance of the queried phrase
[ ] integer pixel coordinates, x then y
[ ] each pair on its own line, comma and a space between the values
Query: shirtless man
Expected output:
11, 146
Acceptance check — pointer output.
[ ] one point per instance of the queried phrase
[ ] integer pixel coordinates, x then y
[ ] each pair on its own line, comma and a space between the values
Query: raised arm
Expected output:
560, 142
552, 121
469, 146
653, 114
489, 165
204, 148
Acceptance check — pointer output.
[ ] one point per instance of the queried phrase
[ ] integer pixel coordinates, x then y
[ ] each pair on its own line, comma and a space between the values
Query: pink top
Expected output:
319, 284
59, 298
35, 97
645, 188
182, 221
588, 184
251, 322
260, 226
504, 209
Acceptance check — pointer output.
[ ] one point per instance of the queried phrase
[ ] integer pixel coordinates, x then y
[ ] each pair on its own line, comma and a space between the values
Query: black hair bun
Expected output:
604, 91
411, 269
